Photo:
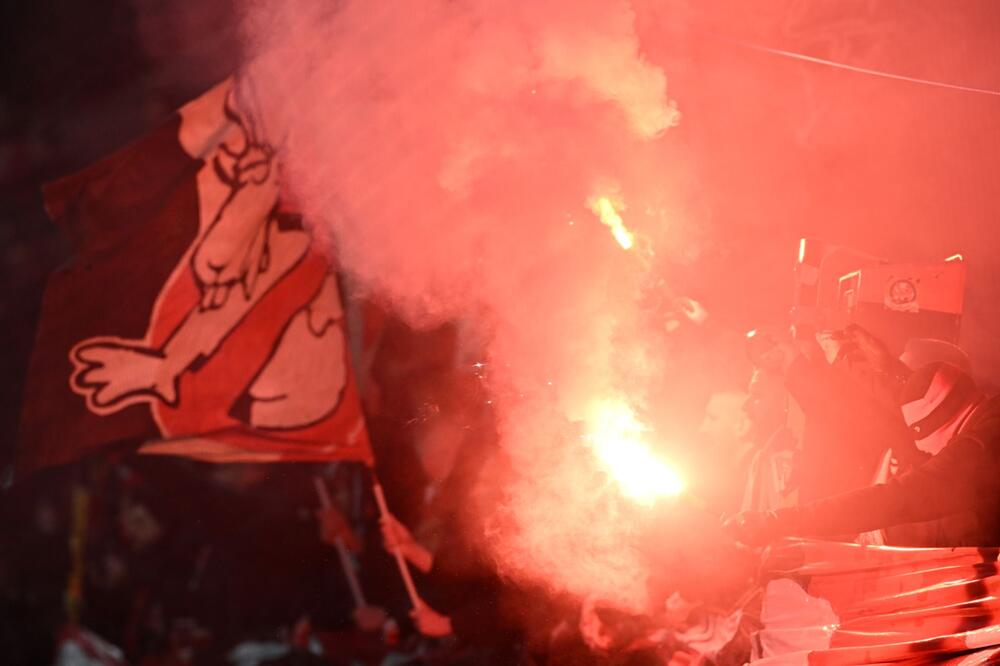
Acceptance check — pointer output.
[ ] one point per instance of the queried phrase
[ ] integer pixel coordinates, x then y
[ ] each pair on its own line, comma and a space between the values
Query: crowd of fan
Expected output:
179, 562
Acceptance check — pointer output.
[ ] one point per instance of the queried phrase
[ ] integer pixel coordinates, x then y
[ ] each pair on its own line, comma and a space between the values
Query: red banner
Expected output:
199, 316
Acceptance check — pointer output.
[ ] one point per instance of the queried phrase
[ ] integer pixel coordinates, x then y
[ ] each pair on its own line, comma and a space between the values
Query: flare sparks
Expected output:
617, 438
608, 211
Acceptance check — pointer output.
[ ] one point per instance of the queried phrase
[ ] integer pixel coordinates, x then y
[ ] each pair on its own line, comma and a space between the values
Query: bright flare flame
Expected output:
606, 210
617, 437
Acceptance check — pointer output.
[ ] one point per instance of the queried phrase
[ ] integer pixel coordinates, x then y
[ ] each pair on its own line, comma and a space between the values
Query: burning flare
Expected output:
607, 210
616, 436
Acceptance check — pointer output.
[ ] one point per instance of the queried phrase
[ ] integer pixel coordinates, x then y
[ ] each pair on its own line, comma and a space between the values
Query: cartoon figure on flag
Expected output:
248, 330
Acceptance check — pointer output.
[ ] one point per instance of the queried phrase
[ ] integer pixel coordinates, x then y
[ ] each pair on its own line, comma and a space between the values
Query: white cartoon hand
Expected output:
112, 374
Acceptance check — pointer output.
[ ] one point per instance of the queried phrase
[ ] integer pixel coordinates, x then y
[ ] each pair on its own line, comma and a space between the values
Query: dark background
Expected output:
78, 80
779, 148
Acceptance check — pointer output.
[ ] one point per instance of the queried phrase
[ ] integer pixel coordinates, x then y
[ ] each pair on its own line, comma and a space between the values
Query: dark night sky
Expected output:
779, 149
78, 80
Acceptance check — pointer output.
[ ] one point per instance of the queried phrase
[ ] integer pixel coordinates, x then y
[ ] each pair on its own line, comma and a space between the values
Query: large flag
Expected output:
198, 316
838, 603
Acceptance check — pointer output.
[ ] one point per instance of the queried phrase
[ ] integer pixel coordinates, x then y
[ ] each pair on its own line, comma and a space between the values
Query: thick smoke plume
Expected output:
453, 152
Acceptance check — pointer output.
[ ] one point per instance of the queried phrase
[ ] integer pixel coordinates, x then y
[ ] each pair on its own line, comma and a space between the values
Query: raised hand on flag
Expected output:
333, 525
396, 535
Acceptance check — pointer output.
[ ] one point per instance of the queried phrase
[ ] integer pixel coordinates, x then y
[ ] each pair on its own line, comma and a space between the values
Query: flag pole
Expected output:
404, 569
345, 558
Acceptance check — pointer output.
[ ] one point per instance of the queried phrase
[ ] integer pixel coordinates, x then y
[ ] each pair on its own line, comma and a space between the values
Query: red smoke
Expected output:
453, 151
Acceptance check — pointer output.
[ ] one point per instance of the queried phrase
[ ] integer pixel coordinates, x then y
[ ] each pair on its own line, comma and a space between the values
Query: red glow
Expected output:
617, 438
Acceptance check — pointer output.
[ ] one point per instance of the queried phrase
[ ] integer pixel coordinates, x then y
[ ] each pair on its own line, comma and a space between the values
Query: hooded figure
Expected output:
948, 416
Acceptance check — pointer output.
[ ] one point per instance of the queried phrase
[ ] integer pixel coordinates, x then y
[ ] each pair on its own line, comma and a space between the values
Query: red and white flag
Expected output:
199, 316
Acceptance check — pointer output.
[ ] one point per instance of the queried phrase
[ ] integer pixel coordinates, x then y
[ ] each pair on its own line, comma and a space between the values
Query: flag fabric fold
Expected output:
839, 603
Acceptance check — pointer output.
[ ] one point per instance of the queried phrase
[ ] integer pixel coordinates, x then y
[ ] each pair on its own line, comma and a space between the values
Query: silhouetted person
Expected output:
946, 412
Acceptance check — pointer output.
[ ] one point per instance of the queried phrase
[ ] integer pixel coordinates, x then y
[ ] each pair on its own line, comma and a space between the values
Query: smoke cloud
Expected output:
452, 152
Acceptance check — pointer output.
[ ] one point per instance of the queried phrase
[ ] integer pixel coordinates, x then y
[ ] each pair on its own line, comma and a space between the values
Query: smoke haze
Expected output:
452, 151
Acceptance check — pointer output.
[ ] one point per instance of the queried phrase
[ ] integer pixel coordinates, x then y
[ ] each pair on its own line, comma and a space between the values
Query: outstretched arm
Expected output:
950, 482
955, 480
